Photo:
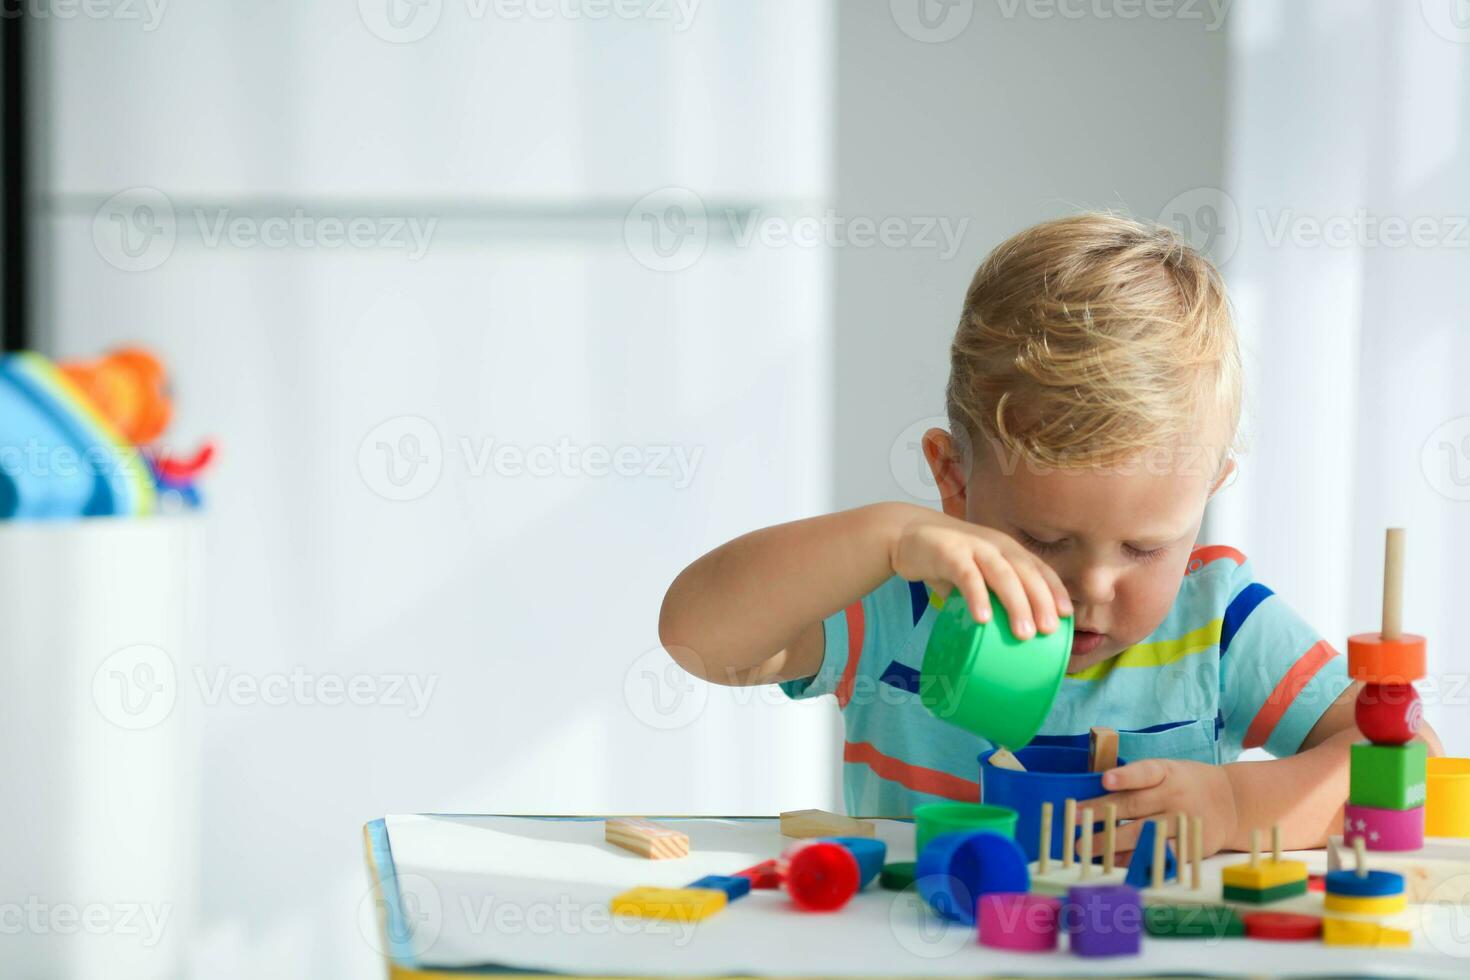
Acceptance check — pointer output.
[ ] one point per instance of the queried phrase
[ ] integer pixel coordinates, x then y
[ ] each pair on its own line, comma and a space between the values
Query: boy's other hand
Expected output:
947, 553
1164, 788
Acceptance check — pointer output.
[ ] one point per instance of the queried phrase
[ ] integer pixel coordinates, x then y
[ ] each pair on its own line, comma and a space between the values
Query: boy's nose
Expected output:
1091, 586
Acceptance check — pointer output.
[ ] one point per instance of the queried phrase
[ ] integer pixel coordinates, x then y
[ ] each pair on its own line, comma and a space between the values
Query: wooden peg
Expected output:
1360, 853
1086, 843
1181, 846
1069, 829
1255, 848
1276, 842
1161, 844
1393, 584
1102, 749
1196, 852
645, 838
1003, 758
1110, 830
1044, 852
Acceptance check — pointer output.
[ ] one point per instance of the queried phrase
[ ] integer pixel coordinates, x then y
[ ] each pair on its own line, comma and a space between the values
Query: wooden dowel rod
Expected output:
1276, 842
1044, 854
1110, 829
1086, 842
1069, 830
1393, 584
1255, 848
1360, 852
1196, 852
1161, 841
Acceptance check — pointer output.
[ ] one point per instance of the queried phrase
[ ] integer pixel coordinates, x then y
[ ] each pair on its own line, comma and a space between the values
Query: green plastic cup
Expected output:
980, 677
933, 819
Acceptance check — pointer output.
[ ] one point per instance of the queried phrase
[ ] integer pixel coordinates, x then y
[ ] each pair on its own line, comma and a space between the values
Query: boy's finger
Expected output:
1043, 603
972, 586
1058, 590
1135, 775
1133, 804
1006, 584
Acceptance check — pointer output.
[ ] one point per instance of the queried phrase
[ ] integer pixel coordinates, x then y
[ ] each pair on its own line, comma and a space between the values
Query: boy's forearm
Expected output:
1304, 793
747, 600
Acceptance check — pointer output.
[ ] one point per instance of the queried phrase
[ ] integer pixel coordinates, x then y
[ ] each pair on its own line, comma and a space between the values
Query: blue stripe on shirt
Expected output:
1239, 609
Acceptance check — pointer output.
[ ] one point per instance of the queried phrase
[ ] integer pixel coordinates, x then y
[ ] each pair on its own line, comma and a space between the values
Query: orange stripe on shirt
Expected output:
1206, 553
855, 626
917, 778
1306, 667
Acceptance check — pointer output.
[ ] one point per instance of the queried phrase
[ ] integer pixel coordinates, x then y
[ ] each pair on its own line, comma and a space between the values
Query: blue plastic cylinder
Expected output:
954, 870
870, 854
1053, 775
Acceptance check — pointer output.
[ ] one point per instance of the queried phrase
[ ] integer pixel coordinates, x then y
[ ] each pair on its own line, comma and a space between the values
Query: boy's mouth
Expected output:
1086, 641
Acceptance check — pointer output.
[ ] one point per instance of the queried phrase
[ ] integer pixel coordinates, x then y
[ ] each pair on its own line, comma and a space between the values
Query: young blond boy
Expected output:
1093, 400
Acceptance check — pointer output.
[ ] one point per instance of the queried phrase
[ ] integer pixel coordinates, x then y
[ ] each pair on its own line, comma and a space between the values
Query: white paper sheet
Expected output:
533, 893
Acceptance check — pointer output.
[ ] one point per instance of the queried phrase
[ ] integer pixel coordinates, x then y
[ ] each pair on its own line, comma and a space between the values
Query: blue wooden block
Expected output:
1141, 865
734, 886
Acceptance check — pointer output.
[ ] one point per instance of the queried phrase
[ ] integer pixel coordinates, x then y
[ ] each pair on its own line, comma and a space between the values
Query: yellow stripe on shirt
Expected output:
1156, 654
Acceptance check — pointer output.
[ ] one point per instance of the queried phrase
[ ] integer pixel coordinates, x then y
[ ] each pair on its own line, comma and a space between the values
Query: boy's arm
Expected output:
751, 611
1317, 777
1304, 793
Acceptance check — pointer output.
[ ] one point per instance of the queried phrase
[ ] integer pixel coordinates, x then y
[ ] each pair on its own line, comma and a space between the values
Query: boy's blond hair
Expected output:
1092, 339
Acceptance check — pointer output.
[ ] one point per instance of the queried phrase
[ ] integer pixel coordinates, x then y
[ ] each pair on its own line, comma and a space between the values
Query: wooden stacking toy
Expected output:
1361, 892
1260, 882
1388, 772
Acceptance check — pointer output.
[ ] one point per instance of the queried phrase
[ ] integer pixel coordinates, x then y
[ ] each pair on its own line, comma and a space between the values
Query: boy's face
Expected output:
1119, 538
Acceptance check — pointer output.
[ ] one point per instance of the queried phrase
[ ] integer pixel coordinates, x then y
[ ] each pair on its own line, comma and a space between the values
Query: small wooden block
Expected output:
1367, 904
820, 823
646, 838
1192, 921
1361, 932
1264, 896
1266, 875
1005, 759
678, 904
1102, 749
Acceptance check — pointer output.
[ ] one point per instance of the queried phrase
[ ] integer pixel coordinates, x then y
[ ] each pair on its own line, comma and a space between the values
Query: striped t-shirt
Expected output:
1230, 667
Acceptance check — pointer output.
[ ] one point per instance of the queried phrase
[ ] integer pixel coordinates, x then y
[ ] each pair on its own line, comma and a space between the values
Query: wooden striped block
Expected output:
820, 823
646, 838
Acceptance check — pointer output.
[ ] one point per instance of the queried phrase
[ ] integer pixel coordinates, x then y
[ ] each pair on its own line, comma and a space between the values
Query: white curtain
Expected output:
1343, 231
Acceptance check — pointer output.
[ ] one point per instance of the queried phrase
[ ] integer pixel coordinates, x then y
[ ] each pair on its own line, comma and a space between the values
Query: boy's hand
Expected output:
947, 553
1164, 788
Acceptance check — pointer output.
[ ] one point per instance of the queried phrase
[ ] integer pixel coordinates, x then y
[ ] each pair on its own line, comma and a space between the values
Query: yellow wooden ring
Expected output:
1386, 905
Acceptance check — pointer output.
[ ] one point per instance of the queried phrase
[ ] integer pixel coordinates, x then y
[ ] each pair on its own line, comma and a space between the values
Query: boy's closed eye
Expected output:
1042, 546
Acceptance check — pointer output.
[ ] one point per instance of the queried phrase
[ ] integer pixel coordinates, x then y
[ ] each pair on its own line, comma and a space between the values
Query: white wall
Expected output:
535, 318
1013, 119
1355, 335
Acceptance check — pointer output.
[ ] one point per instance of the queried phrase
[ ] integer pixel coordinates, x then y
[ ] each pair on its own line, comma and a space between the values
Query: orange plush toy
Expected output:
129, 387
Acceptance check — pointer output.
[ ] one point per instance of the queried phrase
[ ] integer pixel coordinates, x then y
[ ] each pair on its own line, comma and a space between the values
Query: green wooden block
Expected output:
1192, 921
1263, 895
1388, 776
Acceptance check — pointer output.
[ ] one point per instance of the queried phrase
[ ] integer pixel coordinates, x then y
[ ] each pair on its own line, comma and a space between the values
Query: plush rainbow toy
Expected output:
59, 457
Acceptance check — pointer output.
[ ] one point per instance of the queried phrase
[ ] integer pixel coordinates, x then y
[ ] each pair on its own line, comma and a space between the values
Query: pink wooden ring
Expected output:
1384, 830
1018, 921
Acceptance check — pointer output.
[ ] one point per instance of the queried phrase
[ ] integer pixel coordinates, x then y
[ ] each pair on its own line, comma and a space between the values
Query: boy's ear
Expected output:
947, 463
1225, 473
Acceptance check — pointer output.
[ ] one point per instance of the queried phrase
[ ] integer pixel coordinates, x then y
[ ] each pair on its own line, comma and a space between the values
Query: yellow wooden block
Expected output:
678, 904
1267, 874
1366, 905
1359, 932
820, 823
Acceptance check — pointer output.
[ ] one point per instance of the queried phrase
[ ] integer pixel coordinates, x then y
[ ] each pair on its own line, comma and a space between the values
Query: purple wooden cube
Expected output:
1103, 920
